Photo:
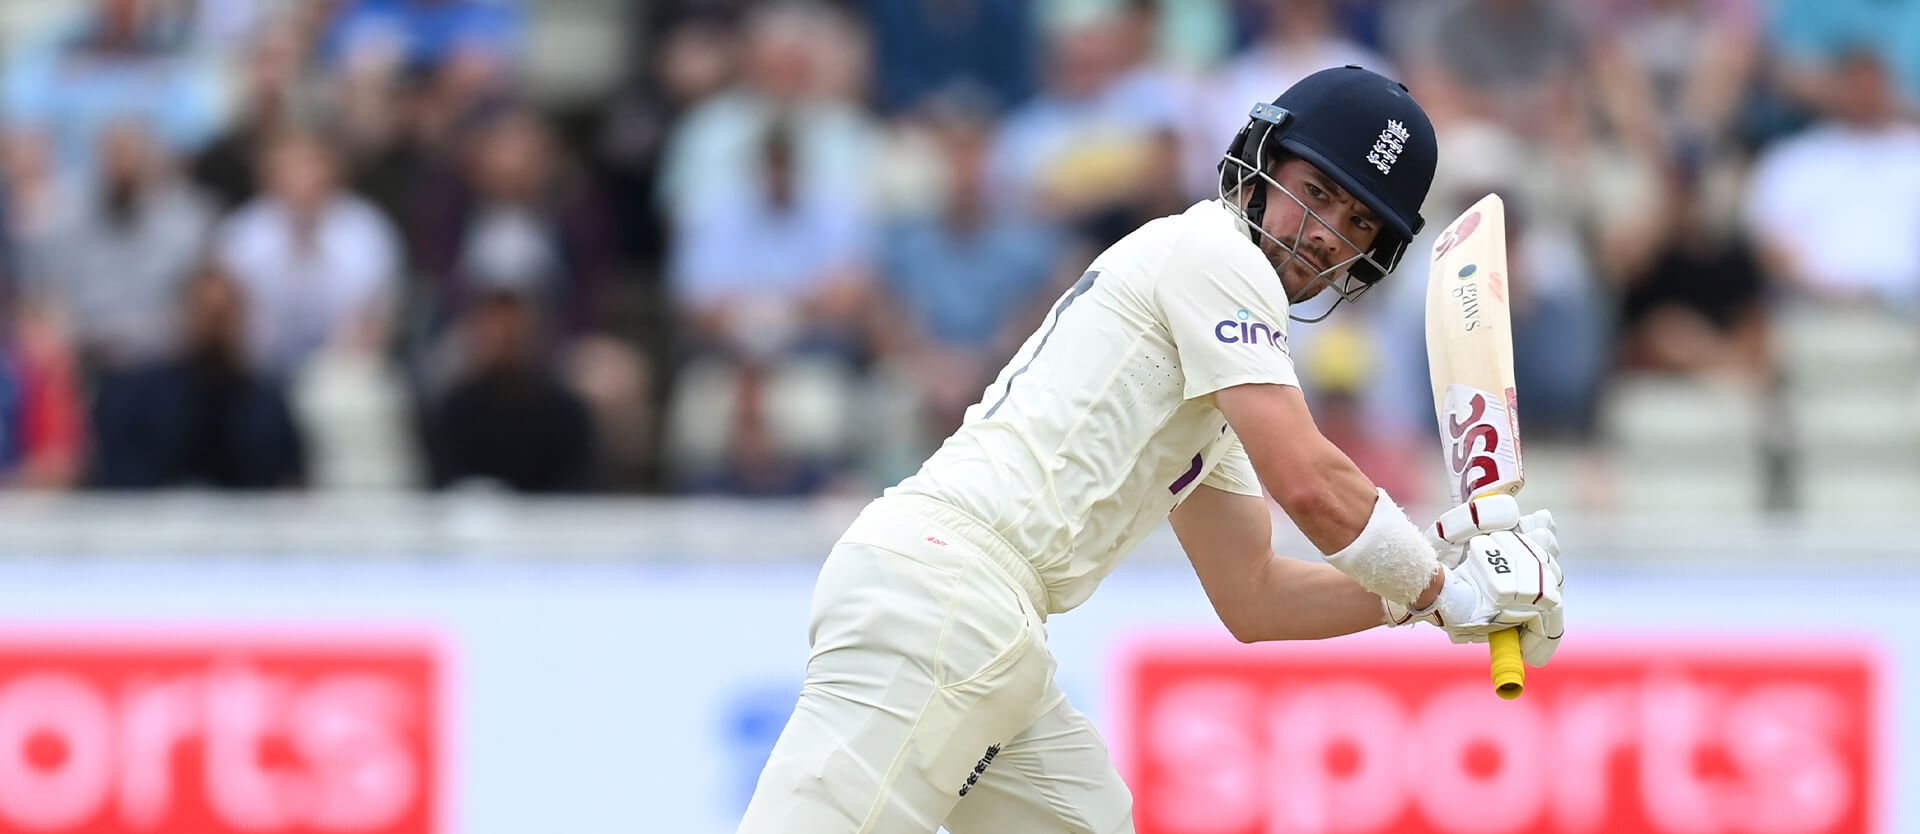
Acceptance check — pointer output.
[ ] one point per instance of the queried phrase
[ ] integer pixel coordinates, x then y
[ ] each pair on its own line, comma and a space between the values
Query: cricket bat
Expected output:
1470, 361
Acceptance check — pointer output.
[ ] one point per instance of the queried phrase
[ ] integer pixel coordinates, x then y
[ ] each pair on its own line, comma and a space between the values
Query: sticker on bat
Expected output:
1468, 295
1482, 446
1457, 235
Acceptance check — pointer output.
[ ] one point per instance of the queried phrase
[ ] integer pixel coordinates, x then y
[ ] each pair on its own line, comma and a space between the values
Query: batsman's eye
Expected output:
1315, 192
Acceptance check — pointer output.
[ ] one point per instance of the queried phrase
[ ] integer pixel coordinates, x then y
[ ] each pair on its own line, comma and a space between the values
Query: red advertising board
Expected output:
1675, 733
217, 733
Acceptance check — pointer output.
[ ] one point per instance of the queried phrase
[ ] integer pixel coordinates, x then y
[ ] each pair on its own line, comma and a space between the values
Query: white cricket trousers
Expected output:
930, 701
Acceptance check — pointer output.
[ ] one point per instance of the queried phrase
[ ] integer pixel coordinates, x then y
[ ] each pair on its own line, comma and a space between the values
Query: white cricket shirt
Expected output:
1104, 419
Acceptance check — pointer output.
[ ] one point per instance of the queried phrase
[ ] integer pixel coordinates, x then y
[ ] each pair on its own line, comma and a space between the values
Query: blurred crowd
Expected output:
339, 244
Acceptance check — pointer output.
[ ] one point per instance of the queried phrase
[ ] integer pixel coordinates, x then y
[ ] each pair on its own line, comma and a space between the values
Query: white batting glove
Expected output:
1397, 615
1452, 536
1505, 581
1454, 529
1540, 638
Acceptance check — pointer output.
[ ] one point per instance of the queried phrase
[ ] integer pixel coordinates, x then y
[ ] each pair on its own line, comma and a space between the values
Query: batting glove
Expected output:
1505, 581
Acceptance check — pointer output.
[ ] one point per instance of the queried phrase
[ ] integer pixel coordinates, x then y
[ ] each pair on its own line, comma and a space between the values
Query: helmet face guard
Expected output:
1244, 172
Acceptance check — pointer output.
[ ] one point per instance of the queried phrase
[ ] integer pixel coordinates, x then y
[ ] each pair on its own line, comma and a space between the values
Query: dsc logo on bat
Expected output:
1483, 447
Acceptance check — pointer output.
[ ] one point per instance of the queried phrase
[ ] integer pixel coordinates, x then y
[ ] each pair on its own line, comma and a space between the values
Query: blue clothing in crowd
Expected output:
961, 285
428, 32
67, 88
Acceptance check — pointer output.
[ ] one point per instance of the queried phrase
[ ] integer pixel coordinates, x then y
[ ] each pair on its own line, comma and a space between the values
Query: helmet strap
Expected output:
1256, 209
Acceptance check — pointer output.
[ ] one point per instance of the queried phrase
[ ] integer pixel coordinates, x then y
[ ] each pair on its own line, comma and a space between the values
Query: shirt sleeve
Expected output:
1234, 473
1228, 315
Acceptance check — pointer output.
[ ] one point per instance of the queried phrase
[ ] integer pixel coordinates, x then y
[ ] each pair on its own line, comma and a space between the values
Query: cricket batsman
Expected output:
1158, 387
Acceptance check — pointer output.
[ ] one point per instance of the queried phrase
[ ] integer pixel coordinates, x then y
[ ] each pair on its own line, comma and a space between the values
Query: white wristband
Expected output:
1391, 557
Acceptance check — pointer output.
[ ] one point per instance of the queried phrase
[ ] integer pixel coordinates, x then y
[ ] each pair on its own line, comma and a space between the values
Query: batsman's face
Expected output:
1319, 221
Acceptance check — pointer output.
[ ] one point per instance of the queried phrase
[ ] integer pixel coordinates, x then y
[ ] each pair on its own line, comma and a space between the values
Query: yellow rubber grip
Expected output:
1509, 671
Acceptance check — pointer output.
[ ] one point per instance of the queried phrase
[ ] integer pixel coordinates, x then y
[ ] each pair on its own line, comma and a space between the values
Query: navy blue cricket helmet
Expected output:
1363, 130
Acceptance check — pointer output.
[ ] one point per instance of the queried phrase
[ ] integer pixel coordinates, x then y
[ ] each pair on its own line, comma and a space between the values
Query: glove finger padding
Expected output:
1541, 638
1455, 527
1537, 520
1538, 527
1481, 515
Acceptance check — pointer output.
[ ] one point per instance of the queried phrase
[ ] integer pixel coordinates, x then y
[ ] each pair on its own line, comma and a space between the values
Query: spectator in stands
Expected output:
1864, 248
518, 212
1689, 63
1160, 101
318, 264
791, 76
509, 420
114, 265
1070, 151
206, 418
1559, 324
1697, 307
1805, 34
274, 97
395, 131
1520, 64
523, 216
1681, 75
692, 56
42, 420
1529, 68
963, 284
413, 77
803, 280
358, 416
36, 199
928, 45
115, 61
692, 60
773, 289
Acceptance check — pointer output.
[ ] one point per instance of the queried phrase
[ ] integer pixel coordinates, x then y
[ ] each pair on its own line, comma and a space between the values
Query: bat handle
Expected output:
1509, 671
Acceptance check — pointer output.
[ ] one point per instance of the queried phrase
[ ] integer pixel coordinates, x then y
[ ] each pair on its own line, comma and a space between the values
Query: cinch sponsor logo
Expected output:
1242, 329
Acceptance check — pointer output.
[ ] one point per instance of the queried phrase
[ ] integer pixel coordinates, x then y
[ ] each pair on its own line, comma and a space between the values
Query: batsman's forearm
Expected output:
1328, 498
1294, 600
